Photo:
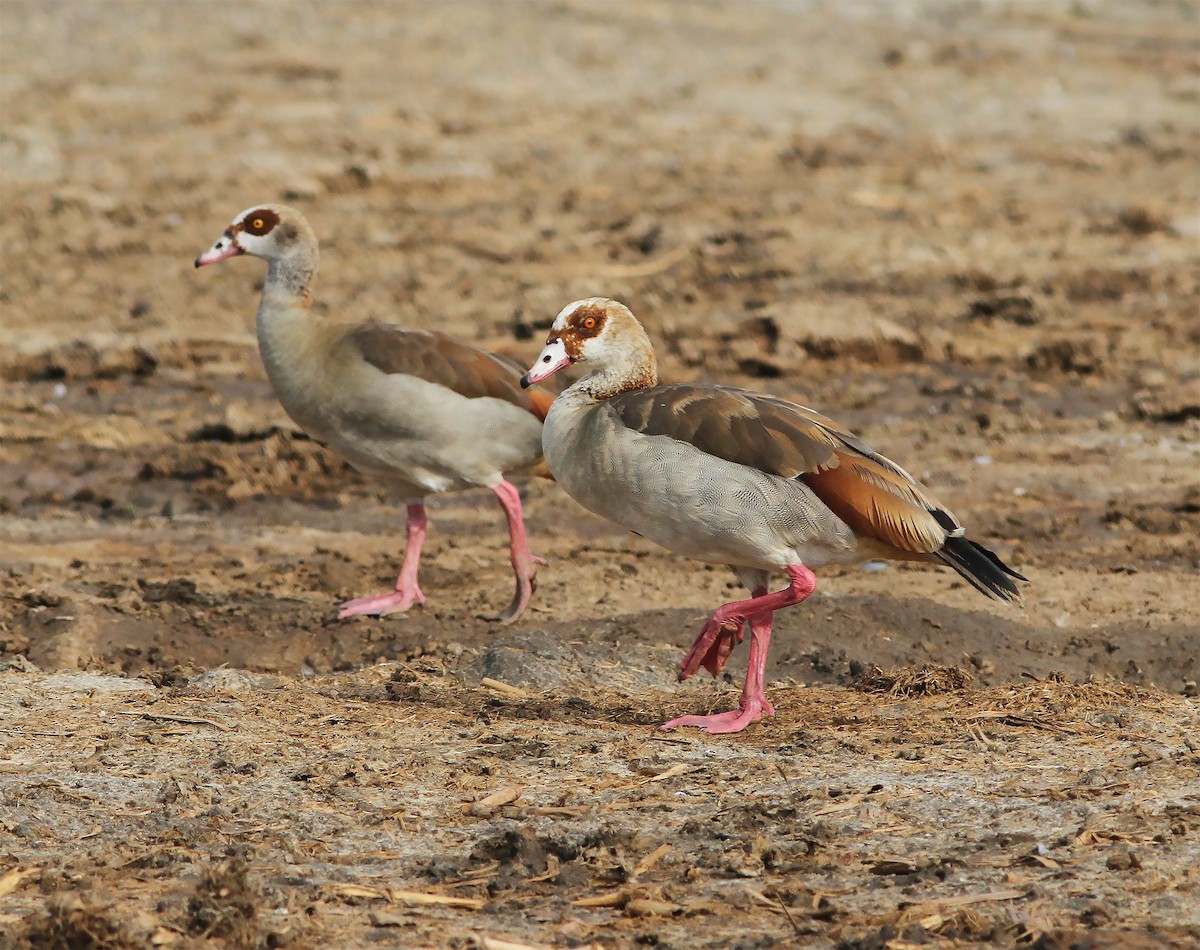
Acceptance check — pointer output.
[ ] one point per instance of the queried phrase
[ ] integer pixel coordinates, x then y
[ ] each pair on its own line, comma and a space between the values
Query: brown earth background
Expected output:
967, 230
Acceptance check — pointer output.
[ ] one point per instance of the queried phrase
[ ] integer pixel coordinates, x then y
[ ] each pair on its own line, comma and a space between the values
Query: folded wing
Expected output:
869, 492
466, 369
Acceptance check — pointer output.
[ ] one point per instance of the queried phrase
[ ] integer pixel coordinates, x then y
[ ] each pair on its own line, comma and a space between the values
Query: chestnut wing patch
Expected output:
872, 494
436, 358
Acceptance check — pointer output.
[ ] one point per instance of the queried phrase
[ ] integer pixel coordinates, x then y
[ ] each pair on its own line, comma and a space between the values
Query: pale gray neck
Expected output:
285, 325
289, 281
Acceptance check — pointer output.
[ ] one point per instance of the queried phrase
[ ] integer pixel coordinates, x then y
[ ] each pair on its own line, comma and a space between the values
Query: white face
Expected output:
576, 335
552, 358
249, 234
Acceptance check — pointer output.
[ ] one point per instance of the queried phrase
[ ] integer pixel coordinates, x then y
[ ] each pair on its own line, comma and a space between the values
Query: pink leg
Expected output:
717, 639
524, 563
406, 590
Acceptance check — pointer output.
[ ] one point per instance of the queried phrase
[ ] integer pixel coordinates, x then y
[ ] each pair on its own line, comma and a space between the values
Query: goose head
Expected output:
605, 335
272, 232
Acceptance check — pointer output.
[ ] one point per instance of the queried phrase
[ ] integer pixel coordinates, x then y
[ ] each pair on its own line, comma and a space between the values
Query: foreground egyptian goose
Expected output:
421, 411
732, 477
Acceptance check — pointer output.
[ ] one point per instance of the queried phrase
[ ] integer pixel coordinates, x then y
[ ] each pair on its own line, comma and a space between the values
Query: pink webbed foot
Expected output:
407, 592
723, 632
377, 605
733, 721
524, 562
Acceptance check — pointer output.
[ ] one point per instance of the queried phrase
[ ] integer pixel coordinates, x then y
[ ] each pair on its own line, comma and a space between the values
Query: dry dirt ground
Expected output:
968, 230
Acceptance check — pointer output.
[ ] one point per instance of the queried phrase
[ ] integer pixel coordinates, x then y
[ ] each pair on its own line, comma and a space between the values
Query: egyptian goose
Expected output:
419, 410
730, 476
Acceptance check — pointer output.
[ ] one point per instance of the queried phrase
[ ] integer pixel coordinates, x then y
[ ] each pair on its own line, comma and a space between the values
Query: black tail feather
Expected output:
982, 568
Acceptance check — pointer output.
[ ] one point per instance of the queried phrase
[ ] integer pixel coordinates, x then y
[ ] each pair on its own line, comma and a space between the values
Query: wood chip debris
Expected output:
649, 907
496, 943
490, 804
12, 880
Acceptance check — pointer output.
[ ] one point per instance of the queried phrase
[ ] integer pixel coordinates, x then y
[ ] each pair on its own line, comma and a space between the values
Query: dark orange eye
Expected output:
589, 323
257, 224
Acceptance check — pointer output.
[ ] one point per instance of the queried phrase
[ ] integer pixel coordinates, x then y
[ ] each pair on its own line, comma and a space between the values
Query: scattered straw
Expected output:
929, 679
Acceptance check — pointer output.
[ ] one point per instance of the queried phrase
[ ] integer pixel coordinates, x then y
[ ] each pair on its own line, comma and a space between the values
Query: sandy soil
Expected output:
969, 231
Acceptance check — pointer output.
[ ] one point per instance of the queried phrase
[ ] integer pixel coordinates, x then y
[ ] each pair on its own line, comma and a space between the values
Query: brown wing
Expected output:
462, 367
872, 494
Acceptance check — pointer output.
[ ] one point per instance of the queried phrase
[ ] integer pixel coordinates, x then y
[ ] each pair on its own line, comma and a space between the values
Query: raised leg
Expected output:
720, 635
523, 561
406, 590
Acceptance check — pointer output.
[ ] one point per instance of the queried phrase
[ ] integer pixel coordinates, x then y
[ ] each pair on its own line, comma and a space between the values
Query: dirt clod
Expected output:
224, 905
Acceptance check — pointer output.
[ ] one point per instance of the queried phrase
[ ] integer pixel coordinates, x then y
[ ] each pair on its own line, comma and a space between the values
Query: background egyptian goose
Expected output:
419, 410
732, 477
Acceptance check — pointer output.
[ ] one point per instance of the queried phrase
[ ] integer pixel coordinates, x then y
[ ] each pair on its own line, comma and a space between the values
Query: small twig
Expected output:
421, 899
29, 732
504, 688
852, 802
1008, 894
568, 811
611, 899
357, 890
188, 720
495, 943
675, 770
651, 859
412, 898
775, 905
553, 867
